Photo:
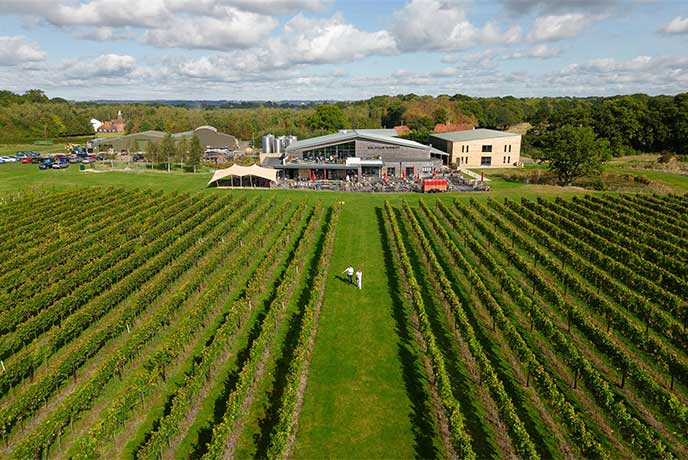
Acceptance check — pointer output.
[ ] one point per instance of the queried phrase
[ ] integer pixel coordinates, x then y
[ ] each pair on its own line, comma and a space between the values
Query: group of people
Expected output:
350, 275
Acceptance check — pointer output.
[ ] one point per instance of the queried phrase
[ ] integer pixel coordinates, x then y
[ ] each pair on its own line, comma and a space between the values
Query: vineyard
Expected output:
549, 328
138, 324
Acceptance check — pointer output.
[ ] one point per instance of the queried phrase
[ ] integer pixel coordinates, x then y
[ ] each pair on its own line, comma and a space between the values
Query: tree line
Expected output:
631, 124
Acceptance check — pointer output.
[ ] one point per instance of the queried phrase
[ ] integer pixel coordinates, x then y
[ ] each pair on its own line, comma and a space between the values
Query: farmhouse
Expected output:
479, 148
113, 126
361, 153
207, 135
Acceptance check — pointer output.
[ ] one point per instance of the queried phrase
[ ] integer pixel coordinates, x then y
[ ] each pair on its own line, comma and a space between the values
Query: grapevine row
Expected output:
138, 383
259, 352
461, 439
632, 427
292, 396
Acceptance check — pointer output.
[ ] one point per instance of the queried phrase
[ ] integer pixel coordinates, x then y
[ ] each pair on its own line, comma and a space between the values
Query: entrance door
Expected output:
485, 161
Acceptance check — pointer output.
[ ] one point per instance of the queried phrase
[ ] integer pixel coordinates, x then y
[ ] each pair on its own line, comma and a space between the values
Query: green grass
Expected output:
355, 403
677, 182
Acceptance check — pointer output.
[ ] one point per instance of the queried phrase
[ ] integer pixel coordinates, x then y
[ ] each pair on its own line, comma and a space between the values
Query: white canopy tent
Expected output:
259, 172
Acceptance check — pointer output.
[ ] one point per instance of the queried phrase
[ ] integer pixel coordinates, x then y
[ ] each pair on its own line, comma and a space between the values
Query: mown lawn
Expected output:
356, 404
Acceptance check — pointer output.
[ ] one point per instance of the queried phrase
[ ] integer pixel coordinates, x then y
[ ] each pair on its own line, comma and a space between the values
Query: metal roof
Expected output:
351, 135
392, 132
150, 133
473, 135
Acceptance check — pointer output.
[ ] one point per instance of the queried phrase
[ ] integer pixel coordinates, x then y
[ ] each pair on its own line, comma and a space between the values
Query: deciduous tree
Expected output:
574, 152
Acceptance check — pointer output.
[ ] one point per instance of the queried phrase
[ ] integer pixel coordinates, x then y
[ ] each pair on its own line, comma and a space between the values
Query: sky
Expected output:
342, 50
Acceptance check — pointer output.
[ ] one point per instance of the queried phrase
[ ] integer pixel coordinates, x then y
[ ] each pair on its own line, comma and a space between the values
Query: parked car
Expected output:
8, 159
37, 160
26, 160
60, 164
47, 163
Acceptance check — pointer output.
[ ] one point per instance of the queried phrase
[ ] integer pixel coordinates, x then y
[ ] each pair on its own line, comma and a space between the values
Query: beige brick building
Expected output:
480, 148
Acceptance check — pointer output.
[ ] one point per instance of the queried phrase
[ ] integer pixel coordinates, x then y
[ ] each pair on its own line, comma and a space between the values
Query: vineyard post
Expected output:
623, 375
575, 378
609, 319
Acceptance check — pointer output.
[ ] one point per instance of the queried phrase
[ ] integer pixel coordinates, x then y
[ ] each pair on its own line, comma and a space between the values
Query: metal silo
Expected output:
277, 144
268, 140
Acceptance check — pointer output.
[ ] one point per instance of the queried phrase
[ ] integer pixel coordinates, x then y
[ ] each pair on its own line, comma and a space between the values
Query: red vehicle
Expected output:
26, 160
435, 185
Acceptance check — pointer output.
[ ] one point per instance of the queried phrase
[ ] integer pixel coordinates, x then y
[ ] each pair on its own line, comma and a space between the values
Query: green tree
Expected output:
168, 150
422, 124
328, 117
440, 115
152, 153
574, 152
394, 115
195, 152
182, 148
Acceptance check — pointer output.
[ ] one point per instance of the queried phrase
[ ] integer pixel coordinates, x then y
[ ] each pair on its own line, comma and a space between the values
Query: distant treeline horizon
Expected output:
635, 123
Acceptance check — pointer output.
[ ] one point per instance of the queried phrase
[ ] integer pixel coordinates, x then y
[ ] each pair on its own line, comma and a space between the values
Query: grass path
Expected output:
356, 410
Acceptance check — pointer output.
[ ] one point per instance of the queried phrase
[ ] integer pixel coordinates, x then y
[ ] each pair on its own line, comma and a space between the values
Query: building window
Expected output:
508, 159
332, 153
487, 148
466, 160
462, 147
509, 148
485, 161
505, 147
467, 148
504, 160
426, 170
391, 171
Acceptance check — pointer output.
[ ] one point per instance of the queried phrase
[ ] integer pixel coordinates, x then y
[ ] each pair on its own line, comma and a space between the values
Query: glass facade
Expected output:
337, 153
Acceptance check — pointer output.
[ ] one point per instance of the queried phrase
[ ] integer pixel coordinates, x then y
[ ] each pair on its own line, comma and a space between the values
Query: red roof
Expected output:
403, 129
449, 127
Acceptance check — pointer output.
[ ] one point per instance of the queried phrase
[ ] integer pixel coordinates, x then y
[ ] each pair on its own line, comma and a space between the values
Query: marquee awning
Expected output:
242, 171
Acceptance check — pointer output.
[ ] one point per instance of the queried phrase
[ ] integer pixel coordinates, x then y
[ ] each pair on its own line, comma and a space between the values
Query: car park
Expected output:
47, 163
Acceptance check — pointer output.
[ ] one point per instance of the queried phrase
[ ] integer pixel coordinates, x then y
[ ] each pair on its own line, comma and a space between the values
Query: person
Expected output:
350, 273
359, 278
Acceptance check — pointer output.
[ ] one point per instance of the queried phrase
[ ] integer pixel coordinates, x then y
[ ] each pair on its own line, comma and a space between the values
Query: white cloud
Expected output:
541, 51
559, 27
234, 29
678, 25
304, 41
318, 41
16, 50
442, 25
105, 65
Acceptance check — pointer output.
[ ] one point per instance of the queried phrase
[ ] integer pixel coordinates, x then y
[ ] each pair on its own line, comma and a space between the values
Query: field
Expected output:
153, 323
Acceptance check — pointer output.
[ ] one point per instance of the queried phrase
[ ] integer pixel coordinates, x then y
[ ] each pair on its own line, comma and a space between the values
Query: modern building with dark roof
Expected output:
207, 135
362, 153
479, 148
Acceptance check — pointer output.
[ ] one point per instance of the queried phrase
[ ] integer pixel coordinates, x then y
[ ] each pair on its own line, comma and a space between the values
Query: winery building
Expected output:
357, 153
479, 148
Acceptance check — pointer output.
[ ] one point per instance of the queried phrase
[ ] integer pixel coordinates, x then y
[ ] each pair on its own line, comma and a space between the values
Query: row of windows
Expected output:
331, 152
485, 161
485, 149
